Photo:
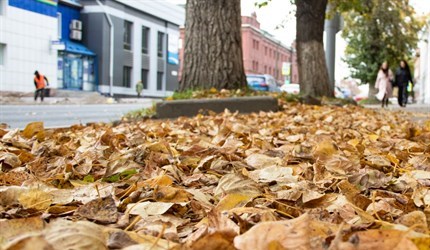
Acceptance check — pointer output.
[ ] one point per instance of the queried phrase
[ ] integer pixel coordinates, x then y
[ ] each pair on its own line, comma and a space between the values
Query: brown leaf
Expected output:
235, 183
79, 235
30, 243
9, 159
102, 210
34, 128
291, 234
378, 239
13, 228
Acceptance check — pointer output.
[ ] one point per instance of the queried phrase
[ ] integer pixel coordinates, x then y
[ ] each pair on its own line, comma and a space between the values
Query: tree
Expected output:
213, 45
377, 31
313, 75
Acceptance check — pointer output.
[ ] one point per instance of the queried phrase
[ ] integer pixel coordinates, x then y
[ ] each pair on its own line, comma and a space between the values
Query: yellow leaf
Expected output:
171, 194
421, 243
213, 90
392, 158
162, 181
324, 149
36, 199
233, 200
373, 137
354, 142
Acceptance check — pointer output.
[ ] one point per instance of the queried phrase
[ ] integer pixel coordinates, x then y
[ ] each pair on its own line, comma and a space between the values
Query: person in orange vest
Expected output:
39, 83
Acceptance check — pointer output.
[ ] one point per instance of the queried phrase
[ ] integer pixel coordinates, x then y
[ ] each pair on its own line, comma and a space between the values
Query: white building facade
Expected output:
27, 31
422, 76
145, 44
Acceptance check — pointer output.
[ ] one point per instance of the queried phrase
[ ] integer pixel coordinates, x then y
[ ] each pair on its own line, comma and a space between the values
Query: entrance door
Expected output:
73, 73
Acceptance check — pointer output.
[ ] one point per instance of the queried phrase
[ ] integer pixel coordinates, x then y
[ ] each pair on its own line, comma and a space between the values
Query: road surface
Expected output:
18, 116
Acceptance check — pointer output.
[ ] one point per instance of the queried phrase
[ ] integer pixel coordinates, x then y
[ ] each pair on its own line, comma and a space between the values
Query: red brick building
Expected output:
262, 53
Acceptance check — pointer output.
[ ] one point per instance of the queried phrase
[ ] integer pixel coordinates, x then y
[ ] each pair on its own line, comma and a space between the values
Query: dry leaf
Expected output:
102, 210
36, 199
291, 234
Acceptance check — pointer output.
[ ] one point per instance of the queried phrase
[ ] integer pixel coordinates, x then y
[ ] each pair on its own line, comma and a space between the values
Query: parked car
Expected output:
262, 83
292, 88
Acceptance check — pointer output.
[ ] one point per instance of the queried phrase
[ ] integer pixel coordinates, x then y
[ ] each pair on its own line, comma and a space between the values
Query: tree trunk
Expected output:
313, 74
213, 46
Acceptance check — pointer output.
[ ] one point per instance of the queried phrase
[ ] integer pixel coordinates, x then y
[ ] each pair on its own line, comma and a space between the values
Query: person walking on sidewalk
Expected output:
403, 78
139, 88
383, 84
39, 83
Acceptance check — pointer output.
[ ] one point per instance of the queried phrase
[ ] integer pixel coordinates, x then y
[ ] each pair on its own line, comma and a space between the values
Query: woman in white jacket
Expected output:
383, 84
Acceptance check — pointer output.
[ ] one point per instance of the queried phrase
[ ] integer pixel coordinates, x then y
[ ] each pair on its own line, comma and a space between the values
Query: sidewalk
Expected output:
417, 112
93, 98
419, 108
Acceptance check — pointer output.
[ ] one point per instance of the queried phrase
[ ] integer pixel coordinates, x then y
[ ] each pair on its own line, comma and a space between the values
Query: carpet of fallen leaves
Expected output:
309, 177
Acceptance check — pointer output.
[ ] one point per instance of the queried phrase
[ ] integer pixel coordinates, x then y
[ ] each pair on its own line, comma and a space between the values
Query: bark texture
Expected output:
313, 74
213, 46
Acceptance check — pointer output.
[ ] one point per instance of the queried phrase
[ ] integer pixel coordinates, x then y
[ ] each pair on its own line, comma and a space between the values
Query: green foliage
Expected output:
180, 95
89, 178
377, 31
369, 101
213, 93
124, 175
141, 113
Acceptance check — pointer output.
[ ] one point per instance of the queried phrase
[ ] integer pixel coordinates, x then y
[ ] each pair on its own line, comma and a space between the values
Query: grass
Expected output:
369, 101
214, 93
141, 113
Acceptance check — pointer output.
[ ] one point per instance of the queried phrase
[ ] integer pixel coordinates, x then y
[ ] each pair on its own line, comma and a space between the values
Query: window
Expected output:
127, 35
145, 39
126, 77
160, 44
265, 69
1, 6
2, 49
59, 20
144, 78
257, 45
159, 80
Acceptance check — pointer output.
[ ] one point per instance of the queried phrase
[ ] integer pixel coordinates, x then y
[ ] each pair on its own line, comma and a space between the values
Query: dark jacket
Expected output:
403, 77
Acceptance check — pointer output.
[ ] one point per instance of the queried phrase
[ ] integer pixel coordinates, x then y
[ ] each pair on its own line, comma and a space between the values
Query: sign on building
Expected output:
286, 68
173, 50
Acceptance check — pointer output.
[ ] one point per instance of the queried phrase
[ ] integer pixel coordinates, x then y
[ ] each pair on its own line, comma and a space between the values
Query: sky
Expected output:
282, 12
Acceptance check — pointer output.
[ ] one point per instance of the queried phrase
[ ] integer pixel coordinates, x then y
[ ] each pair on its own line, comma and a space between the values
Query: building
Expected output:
76, 67
143, 44
28, 29
422, 68
262, 53
92, 45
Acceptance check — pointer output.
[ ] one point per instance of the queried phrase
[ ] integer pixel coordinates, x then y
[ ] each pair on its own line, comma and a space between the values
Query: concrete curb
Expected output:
173, 109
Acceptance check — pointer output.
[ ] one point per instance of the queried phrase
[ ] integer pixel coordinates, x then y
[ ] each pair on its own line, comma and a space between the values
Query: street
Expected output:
18, 116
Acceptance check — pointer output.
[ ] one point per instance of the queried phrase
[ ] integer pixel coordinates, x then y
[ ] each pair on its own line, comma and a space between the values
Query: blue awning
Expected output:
78, 48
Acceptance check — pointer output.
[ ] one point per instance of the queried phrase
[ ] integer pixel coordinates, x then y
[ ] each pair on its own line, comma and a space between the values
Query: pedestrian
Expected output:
40, 82
404, 82
139, 88
383, 84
